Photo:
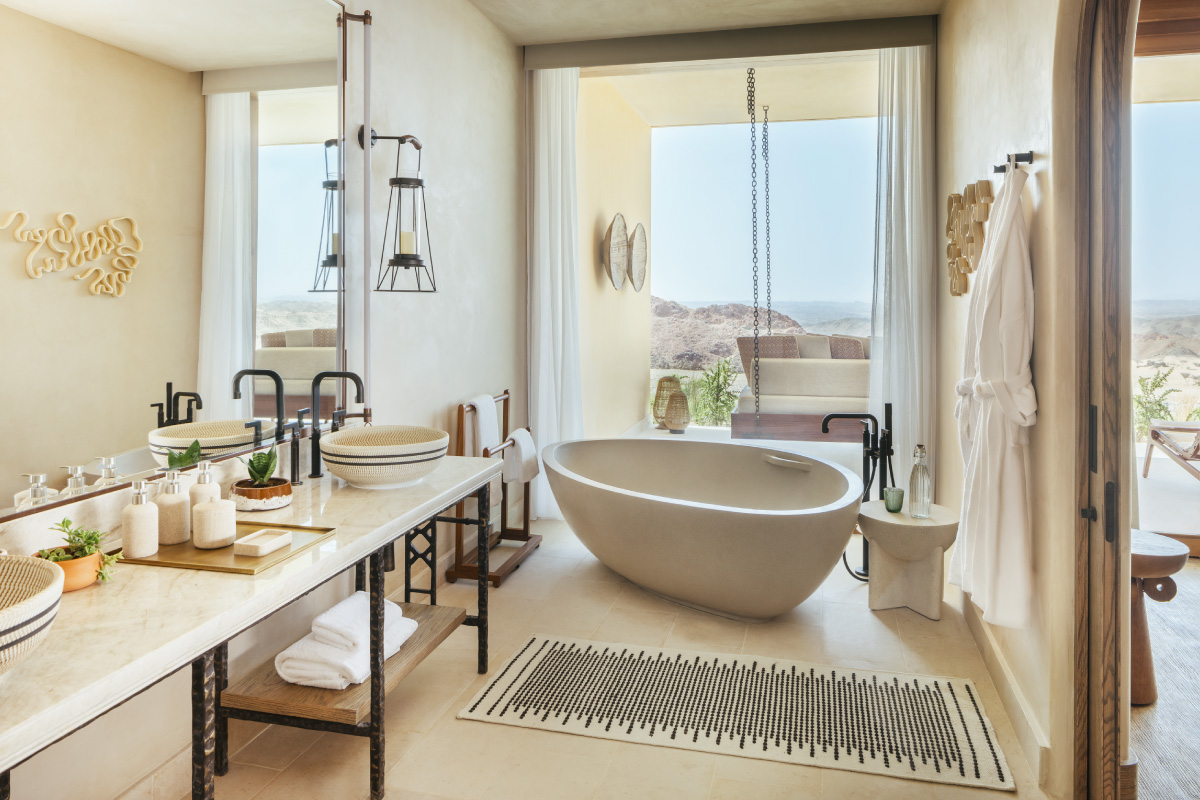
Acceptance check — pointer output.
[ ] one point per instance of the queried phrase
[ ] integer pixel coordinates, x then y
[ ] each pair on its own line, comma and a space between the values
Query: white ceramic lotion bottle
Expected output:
214, 524
139, 524
174, 511
205, 488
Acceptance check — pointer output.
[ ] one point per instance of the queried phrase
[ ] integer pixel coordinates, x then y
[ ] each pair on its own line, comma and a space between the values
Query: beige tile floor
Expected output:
563, 590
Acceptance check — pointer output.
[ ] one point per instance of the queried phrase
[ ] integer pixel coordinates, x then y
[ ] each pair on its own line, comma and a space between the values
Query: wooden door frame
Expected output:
1104, 61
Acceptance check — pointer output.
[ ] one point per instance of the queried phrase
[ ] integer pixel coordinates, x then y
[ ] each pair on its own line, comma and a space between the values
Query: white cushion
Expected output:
793, 404
301, 338
813, 377
813, 346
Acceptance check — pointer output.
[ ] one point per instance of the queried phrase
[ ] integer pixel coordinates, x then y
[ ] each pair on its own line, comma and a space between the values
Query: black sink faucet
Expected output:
315, 455
280, 419
168, 412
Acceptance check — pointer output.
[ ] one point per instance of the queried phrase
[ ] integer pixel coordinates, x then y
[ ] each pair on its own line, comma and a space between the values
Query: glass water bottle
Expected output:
920, 488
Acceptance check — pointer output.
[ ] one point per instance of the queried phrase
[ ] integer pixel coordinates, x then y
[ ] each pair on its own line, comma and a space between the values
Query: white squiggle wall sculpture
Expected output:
70, 247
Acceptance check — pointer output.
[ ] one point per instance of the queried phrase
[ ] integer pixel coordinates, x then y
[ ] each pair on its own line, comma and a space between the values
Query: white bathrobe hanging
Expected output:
996, 407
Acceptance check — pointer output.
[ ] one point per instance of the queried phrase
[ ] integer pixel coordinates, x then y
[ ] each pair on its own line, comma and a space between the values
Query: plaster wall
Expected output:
613, 155
1006, 84
100, 133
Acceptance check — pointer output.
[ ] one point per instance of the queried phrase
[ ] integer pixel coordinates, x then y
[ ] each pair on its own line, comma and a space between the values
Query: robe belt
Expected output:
1017, 433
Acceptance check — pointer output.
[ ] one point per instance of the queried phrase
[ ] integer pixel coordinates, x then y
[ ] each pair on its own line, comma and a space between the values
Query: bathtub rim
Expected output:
852, 495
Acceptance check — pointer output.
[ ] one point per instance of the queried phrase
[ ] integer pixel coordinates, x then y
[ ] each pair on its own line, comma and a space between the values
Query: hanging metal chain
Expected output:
766, 158
750, 109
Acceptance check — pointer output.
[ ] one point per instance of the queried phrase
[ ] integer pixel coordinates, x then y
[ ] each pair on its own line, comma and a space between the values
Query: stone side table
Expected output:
906, 556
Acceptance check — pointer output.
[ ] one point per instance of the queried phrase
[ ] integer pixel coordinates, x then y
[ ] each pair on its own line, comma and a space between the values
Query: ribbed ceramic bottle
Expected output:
920, 487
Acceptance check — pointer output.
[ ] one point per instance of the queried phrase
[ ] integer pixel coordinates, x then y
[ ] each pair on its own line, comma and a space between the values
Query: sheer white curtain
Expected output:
903, 313
227, 275
555, 385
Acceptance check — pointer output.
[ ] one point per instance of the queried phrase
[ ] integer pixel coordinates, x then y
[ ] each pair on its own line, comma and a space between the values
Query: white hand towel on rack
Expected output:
521, 459
348, 624
309, 662
485, 435
486, 429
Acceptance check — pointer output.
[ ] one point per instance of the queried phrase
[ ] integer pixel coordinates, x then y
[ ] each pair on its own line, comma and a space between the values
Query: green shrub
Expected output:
1150, 401
711, 398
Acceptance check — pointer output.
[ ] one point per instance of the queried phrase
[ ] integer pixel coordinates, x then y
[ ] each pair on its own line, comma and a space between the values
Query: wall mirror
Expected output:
172, 182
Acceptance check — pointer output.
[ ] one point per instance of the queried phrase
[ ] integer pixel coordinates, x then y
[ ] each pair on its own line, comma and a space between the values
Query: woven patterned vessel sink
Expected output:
30, 589
384, 456
216, 438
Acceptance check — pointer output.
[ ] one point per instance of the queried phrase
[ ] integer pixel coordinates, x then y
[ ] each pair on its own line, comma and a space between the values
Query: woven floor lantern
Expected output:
678, 417
661, 395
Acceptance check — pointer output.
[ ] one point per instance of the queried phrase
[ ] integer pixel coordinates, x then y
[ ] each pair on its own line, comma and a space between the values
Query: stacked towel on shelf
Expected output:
521, 460
338, 653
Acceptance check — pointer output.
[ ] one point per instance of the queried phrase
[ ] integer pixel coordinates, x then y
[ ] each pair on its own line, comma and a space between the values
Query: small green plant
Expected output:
81, 543
187, 458
711, 396
261, 466
1150, 401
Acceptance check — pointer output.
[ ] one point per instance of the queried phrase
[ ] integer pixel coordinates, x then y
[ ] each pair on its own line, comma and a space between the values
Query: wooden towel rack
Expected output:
464, 562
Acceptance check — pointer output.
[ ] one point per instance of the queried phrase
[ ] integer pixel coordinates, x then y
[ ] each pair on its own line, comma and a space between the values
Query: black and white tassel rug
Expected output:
907, 726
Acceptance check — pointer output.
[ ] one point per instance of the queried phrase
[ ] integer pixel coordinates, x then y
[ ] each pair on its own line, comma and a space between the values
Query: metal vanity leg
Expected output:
378, 768
204, 726
360, 576
5, 786
484, 533
221, 664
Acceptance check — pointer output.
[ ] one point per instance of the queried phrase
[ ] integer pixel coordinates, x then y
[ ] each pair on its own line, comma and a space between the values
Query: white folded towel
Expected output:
348, 624
309, 662
521, 460
486, 427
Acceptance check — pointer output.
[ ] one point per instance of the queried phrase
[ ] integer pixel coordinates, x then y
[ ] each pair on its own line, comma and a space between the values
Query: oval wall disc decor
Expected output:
638, 255
616, 251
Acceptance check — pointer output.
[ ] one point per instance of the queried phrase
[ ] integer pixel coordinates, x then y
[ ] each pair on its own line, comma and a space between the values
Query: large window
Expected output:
822, 206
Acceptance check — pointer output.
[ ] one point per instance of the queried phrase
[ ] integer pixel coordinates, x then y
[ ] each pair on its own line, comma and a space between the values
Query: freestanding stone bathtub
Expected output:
739, 530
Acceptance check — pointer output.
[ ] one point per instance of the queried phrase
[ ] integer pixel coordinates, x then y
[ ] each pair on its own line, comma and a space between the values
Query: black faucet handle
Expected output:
257, 425
338, 419
162, 421
300, 419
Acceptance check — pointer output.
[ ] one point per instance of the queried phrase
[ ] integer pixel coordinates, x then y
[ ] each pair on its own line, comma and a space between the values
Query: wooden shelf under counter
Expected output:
264, 691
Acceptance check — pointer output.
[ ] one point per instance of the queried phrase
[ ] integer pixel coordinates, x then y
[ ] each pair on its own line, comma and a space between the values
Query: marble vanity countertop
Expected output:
112, 640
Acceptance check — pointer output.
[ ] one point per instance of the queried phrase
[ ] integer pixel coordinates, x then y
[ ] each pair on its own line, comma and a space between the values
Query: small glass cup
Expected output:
893, 498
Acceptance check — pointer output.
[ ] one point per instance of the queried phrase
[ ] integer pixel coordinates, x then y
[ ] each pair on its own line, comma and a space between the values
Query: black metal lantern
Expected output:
406, 259
328, 249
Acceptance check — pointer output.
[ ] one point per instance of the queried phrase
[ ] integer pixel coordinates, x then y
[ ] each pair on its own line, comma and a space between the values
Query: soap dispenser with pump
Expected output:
37, 493
76, 482
174, 511
139, 524
108, 471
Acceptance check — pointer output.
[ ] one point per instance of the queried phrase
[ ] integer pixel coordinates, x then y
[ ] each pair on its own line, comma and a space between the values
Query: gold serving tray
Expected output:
188, 556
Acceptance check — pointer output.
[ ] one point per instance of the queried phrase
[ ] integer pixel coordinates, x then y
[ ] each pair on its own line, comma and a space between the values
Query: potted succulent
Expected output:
81, 560
261, 491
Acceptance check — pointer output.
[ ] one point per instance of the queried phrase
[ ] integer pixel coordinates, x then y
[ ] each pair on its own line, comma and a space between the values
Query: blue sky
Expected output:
1166, 201
291, 203
822, 211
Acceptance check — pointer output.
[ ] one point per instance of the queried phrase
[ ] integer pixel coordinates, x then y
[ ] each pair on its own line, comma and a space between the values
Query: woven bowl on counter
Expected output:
30, 589
384, 456
216, 438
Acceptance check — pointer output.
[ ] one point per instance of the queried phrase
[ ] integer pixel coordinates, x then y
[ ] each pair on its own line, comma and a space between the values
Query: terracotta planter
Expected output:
79, 572
247, 496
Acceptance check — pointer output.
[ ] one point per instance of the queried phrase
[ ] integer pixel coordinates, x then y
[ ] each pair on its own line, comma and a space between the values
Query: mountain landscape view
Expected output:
289, 314
1166, 335
693, 335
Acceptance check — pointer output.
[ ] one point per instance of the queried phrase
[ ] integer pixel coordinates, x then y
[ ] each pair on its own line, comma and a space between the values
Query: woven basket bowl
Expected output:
30, 589
384, 456
216, 438
662, 394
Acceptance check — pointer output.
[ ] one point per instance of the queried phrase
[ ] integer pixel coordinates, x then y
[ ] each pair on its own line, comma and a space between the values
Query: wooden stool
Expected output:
1154, 559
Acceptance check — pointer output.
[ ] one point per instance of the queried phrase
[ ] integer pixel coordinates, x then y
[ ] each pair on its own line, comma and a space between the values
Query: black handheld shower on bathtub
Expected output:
877, 453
